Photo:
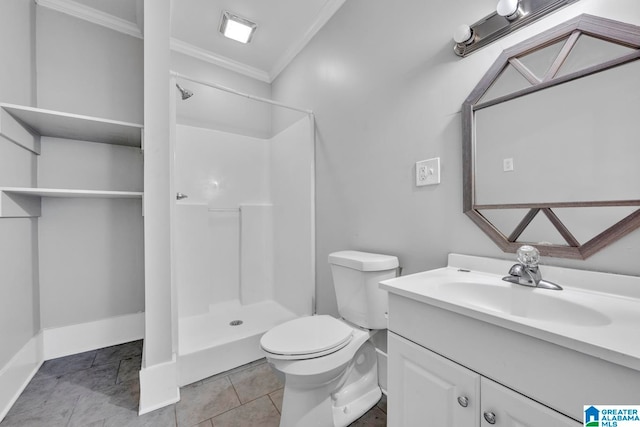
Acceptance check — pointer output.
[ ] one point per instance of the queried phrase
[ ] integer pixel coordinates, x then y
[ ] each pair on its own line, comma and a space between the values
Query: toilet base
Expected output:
350, 392
345, 415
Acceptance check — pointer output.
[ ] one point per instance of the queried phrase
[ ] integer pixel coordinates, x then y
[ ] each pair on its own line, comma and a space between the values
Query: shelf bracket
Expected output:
16, 132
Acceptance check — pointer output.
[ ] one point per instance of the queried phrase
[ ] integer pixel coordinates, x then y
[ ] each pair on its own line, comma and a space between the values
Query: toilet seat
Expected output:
306, 338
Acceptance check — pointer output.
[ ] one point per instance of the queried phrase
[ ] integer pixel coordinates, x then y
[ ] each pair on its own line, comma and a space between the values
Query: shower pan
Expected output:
243, 240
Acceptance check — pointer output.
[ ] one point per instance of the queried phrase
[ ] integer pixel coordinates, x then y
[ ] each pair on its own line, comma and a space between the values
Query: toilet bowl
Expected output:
330, 365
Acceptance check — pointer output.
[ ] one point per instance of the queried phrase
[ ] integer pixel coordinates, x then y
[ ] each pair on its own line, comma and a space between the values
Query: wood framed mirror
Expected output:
551, 140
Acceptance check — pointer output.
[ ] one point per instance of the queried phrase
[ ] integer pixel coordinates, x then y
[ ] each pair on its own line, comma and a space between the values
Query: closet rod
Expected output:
246, 95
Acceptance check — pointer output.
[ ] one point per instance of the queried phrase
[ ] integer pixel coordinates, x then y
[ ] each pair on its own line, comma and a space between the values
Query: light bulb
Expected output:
463, 35
508, 9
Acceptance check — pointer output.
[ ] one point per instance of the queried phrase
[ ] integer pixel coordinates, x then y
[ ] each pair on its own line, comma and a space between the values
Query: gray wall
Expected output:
386, 89
19, 308
91, 251
87, 69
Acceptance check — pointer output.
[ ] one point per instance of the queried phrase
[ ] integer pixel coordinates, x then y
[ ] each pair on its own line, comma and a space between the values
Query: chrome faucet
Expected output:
527, 272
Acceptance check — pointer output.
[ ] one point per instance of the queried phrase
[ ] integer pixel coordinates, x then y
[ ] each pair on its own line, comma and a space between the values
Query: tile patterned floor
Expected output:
100, 388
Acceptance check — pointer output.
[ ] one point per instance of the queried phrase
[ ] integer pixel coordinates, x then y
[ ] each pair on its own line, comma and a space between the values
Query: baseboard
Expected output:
158, 386
73, 339
17, 373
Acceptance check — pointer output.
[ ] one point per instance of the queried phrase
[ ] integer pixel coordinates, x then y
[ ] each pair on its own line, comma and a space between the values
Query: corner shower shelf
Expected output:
25, 125
20, 202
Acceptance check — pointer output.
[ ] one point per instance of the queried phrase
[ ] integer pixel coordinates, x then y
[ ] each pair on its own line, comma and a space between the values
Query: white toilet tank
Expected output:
356, 276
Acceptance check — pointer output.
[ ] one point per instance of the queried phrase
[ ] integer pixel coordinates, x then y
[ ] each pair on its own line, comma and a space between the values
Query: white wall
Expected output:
385, 99
292, 197
88, 69
19, 309
216, 109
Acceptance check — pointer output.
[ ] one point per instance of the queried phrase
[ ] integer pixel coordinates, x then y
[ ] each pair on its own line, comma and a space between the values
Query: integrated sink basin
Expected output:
493, 294
596, 313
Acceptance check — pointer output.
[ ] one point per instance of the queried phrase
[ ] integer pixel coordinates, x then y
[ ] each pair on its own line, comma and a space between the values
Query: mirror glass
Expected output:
567, 143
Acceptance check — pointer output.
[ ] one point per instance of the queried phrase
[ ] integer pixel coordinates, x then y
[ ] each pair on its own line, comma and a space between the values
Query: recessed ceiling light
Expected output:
237, 28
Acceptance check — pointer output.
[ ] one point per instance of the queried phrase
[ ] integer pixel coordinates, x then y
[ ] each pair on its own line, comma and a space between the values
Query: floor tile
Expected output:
257, 413
101, 389
67, 364
116, 401
95, 378
382, 403
55, 410
200, 402
276, 398
116, 353
235, 370
35, 394
129, 369
163, 417
373, 418
255, 382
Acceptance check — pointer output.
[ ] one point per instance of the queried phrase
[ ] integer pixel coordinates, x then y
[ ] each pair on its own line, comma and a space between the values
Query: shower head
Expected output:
186, 93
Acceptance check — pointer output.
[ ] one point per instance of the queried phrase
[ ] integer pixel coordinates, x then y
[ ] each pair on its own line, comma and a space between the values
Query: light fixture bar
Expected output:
494, 26
237, 28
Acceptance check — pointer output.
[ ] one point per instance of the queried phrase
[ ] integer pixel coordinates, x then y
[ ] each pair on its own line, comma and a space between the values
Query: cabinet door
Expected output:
511, 409
426, 389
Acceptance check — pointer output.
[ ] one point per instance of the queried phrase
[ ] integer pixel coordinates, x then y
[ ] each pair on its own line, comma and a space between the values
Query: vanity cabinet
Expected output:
426, 389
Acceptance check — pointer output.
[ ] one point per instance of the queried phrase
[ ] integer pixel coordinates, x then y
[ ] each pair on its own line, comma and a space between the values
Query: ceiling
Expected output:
284, 28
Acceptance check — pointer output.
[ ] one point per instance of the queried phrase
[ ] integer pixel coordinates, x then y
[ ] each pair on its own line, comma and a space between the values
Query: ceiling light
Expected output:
237, 28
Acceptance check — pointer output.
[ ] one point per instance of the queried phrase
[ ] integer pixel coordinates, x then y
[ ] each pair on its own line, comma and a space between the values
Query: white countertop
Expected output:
596, 313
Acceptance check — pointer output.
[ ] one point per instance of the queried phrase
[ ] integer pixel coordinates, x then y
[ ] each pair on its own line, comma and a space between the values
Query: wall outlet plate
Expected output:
428, 172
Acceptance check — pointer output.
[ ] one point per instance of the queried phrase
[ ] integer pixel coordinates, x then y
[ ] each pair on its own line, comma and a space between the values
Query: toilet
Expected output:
330, 365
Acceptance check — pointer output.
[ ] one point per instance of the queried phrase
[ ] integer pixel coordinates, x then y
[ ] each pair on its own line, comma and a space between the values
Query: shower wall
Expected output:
245, 231
219, 172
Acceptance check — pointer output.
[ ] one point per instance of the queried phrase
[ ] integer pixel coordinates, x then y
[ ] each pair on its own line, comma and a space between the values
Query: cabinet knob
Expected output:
490, 417
463, 401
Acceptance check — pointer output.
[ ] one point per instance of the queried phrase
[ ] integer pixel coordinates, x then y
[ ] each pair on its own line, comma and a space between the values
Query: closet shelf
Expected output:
21, 202
64, 192
23, 124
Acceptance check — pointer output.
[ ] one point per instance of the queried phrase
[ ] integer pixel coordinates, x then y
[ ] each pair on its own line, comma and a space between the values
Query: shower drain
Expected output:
235, 323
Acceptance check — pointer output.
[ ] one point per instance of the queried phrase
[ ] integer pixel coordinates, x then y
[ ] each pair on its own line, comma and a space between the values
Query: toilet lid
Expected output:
307, 335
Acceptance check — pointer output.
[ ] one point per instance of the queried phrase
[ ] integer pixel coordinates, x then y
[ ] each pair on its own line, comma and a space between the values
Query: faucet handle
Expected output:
528, 256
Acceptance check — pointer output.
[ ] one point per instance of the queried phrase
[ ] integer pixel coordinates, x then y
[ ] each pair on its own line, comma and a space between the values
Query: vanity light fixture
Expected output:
237, 28
509, 16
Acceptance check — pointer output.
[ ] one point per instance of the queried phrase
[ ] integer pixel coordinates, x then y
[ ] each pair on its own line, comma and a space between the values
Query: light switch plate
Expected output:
428, 172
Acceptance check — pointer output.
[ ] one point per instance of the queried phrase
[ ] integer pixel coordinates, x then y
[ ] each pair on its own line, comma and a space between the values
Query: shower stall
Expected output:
242, 223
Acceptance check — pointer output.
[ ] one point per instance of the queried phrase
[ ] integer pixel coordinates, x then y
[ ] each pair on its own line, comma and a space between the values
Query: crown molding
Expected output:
327, 11
92, 15
219, 60
98, 17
